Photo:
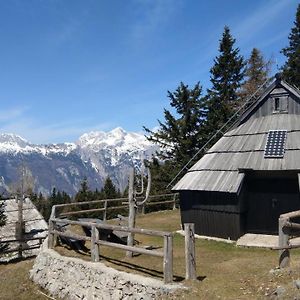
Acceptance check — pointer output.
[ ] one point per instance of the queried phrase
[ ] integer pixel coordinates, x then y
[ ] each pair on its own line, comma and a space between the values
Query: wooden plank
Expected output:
69, 213
283, 242
105, 211
24, 240
168, 259
115, 227
292, 214
132, 213
292, 225
92, 210
22, 249
70, 235
294, 246
117, 207
160, 202
89, 202
131, 248
50, 234
94, 244
190, 257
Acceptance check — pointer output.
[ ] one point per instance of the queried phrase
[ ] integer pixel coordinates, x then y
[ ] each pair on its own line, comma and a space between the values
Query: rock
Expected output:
278, 293
297, 283
72, 278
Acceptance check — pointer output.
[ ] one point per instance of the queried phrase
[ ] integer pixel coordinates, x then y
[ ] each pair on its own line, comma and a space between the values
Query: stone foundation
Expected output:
73, 278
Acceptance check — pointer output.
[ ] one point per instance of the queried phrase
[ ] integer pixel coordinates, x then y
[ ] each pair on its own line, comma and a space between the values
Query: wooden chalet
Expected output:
251, 175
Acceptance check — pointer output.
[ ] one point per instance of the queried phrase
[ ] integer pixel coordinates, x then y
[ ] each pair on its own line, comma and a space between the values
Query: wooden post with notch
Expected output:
132, 212
52, 238
190, 258
105, 211
94, 244
283, 242
174, 203
168, 259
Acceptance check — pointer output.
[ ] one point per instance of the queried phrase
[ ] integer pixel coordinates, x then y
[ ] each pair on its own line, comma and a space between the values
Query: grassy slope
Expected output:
15, 283
224, 271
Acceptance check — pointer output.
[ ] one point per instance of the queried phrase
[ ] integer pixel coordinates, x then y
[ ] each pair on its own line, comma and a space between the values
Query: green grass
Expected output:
224, 271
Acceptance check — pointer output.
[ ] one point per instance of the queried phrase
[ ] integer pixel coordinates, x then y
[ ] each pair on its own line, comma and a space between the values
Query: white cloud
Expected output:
11, 113
152, 16
261, 18
16, 121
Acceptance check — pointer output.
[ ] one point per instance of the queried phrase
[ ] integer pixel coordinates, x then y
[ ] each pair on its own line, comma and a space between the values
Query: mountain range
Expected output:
95, 155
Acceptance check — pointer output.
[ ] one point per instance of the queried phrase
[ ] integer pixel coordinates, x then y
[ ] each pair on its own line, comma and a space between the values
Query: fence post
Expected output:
94, 245
132, 213
174, 203
283, 241
50, 234
190, 258
168, 259
105, 211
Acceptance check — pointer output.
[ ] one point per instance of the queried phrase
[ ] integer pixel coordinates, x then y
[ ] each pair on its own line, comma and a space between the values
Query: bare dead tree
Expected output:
134, 204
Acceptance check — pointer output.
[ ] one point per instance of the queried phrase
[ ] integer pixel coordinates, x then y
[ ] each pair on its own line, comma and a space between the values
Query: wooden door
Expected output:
267, 200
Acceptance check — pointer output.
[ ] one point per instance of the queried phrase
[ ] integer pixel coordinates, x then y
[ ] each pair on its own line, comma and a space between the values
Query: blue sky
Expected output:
69, 67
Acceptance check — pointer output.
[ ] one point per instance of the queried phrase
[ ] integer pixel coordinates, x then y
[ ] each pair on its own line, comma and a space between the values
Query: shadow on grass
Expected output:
17, 260
201, 278
144, 270
131, 266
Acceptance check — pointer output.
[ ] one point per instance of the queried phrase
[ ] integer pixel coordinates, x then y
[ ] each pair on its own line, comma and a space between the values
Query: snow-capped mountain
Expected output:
95, 155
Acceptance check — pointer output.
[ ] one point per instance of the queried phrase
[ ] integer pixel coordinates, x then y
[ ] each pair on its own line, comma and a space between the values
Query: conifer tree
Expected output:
226, 78
181, 134
2, 215
257, 74
2, 223
291, 69
84, 194
109, 190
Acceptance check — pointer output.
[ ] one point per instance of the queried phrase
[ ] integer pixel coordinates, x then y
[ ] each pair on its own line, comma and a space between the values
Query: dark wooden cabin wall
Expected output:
267, 106
268, 198
214, 214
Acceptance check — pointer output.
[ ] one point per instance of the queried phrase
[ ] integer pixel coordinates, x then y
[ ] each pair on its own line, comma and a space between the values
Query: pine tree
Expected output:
109, 190
291, 69
257, 74
3, 218
226, 78
181, 134
2, 215
84, 194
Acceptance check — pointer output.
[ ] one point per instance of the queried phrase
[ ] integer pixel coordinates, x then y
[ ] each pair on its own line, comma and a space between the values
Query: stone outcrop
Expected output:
73, 278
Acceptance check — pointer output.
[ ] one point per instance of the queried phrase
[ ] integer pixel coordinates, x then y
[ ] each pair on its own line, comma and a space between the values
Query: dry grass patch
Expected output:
15, 283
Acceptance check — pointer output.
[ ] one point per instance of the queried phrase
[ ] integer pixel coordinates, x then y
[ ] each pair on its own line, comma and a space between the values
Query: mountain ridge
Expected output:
95, 155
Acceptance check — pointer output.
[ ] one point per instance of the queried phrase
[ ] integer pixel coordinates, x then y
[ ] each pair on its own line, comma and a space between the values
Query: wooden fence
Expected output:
59, 214
167, 253
22, 245
286, 230
65, 210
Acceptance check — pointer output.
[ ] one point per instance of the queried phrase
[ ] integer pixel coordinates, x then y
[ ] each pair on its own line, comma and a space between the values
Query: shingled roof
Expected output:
221, 168
35, 226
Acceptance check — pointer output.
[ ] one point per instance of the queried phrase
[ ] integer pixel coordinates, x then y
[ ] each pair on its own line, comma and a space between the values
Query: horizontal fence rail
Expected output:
22, 244
107, 205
